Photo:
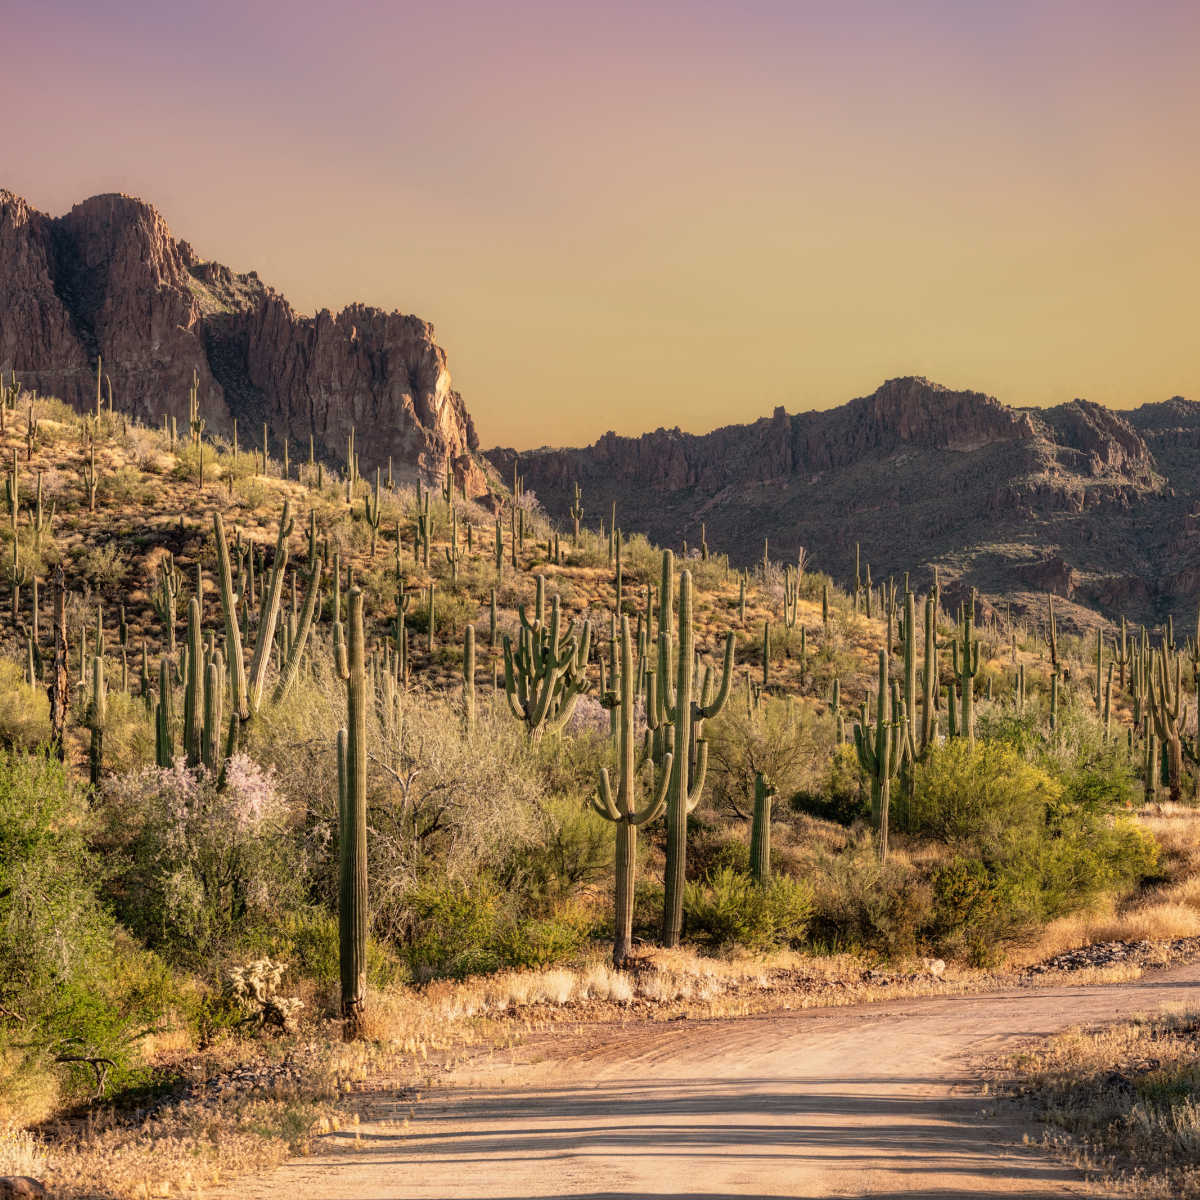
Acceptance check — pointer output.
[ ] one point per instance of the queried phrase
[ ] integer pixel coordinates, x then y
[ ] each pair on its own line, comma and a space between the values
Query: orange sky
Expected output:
630, 215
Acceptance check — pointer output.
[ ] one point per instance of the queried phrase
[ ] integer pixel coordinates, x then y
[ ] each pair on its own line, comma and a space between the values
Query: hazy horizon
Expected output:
626, 218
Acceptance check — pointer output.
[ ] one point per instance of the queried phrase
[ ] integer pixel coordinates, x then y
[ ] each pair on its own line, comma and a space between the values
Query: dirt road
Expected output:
879, 1100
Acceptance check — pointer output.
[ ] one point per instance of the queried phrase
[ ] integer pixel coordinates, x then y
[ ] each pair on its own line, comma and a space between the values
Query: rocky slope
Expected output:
109, 279
1089, 503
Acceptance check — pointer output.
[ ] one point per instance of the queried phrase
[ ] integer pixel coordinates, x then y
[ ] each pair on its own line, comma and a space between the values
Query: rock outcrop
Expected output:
1093, 504
109, 280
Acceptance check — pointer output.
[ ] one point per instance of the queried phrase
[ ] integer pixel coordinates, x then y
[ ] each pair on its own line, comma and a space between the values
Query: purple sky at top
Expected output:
623, 215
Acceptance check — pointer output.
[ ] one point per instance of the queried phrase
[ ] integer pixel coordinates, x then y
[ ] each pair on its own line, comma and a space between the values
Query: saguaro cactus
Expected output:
469, 680
246, 692
760, 829
880, 755
96, 715
965, 662
352, 889
546, 672
576, 513
622, 809
685, 708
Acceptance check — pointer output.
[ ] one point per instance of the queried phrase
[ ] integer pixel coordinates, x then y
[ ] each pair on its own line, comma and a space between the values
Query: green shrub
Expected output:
458, 928
729, 908
71, 984
1028, 848
860, 903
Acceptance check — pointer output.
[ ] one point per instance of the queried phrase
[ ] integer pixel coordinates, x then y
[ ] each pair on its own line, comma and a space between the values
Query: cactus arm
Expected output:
292, 666
698, 775
654, 810
709, 710
602, 800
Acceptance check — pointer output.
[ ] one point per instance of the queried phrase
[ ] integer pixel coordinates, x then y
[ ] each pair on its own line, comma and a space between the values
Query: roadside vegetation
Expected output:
529, 768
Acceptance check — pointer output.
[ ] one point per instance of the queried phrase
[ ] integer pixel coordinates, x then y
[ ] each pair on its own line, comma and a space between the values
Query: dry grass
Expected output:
1121, 1099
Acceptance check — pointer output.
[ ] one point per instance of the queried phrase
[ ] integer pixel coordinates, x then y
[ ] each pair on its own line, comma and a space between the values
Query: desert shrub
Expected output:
842, 797
71, 984
201, 869
789, 748
457, 928
24, 710
977, 793
860, 903
103, 565
306, 938
124, 486
128, 729
452, 612
1027, 848
713, 848
572, 847
728, 908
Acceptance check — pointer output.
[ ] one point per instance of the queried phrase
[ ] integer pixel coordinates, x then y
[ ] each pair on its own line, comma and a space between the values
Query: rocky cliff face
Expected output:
1076, 499
108, 279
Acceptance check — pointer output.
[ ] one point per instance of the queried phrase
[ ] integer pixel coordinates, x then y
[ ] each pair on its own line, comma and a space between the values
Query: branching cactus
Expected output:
576, 514
166, 598
1169, 714
622, 808
246, 691
373, 511
791, 597
423, 528
352, 840
965, 663
685, 707
881, 753
545, 673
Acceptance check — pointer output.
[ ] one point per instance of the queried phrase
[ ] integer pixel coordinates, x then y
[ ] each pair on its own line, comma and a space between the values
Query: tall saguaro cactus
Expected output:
966, 666
881, 755
622, 808
247, 690
352, 778
685, 708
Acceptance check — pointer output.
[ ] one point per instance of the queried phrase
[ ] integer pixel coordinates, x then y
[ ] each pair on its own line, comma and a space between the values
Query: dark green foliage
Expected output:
729, 908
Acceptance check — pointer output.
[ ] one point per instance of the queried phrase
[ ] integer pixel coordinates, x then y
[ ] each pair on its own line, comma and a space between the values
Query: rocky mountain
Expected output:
1095, 505
108, 279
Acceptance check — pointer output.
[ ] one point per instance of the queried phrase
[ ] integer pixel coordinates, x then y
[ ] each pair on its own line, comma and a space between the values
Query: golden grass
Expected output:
1121, 1099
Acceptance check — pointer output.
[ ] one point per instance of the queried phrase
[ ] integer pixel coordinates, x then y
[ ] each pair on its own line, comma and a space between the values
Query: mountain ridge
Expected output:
109, 279
1080, 499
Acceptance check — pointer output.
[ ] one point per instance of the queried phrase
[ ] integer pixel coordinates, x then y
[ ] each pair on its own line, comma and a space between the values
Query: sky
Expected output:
683, 212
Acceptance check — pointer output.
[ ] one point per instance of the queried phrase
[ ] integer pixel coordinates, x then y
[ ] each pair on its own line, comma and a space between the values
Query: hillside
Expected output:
109, 280
1089, 503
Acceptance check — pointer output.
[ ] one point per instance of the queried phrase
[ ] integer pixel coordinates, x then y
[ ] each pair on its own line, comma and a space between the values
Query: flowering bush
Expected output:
203, 867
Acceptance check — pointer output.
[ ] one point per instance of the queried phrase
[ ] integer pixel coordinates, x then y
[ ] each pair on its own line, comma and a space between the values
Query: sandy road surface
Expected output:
879, 1100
